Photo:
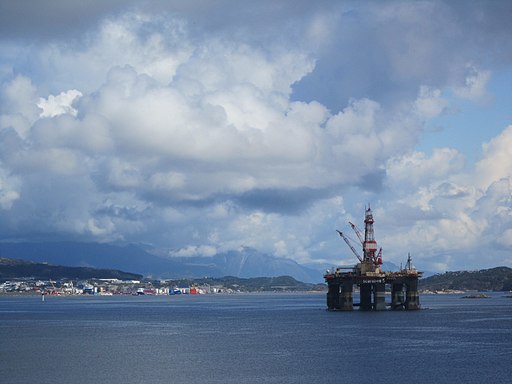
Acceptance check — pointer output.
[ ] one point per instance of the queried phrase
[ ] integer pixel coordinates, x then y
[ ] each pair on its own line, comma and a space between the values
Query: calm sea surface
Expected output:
252, 338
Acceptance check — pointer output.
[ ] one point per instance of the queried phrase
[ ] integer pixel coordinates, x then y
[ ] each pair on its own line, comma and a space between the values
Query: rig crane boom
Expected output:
350, 246
378, 259
358, 232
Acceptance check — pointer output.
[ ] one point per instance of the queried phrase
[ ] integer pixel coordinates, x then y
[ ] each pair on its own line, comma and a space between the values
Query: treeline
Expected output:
252, 284
494, 279
16, 269
12, 269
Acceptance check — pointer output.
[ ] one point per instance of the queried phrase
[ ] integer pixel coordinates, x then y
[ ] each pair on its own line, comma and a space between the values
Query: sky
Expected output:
200, 127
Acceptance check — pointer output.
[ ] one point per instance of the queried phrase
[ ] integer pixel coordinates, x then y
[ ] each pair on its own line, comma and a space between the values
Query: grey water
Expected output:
251, 338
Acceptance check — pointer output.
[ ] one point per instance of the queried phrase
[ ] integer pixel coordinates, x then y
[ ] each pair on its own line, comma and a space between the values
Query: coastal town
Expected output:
25, 277
108, 287
145, 286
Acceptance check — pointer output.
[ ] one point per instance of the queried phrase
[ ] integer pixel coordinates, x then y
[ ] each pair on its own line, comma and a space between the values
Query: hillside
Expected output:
11, 268
253, 284
246, 262
495, 279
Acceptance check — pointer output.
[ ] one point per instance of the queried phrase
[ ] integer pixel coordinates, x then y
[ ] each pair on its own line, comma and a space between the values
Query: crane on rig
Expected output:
358, 232
350, 245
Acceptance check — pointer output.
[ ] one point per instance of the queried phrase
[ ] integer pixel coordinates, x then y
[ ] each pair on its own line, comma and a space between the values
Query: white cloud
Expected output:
474, 87
191, 251
430, 103
416, 168
167, 181
496, 162
153, 45
100, 229
18, 108
197, 137
60, 104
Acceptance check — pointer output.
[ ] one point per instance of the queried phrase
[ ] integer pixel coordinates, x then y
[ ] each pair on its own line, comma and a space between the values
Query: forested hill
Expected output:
494, 279
12, 268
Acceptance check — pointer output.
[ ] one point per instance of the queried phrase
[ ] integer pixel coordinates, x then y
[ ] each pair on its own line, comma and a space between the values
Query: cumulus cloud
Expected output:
204, 133
416, 167
18, 109
496, 162
444, 209
60, 104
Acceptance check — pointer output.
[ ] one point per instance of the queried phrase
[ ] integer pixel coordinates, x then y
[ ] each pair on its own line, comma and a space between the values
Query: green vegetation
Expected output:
495, 279
14, 269
11, 269
252, 284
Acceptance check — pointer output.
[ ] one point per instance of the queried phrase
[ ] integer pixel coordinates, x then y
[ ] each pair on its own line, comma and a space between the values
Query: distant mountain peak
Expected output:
243, 262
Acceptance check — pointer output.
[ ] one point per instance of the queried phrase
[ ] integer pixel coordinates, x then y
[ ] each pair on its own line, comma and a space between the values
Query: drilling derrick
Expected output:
371, 260
369, 244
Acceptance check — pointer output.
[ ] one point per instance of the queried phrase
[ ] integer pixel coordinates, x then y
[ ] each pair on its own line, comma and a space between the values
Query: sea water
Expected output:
252, 338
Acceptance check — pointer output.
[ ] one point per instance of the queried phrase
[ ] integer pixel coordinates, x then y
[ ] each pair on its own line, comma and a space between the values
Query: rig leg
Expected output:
412, 301
333, 295
346, 300
397, 296
379, 296
365, 291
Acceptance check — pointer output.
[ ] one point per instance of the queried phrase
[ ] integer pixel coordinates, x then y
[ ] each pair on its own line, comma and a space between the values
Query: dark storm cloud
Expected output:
33, 19
282, 201
373, 181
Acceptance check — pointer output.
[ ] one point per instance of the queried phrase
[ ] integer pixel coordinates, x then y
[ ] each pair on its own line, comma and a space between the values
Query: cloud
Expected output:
194, 251
441, 207
205, 127
18, 109
496, 162
279, 200
430, 103
416, 167
60, 104
474, 87
8, 190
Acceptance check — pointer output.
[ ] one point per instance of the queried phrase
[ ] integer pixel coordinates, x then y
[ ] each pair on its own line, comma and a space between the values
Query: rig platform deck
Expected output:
372, 291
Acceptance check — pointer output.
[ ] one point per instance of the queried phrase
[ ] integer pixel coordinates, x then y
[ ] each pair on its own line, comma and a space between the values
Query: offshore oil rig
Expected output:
368, 276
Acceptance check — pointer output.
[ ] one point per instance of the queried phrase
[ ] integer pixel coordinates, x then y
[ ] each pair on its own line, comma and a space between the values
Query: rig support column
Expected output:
397, 296
412, 299
346, 301
365, 292
379, 298
333, 295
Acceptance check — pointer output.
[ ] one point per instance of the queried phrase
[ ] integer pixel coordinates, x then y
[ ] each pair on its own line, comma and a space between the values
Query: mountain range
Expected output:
245, 263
